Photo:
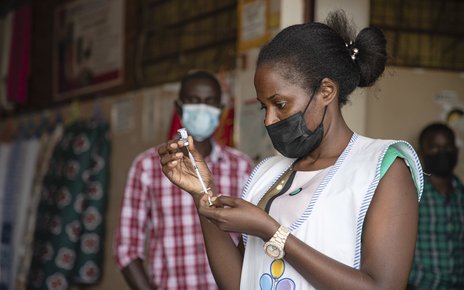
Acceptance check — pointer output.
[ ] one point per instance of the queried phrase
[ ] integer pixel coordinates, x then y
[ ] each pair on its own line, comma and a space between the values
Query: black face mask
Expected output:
292, 138
440, 164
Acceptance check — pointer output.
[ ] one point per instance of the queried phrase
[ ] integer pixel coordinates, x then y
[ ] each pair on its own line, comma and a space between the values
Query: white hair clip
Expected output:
353, 50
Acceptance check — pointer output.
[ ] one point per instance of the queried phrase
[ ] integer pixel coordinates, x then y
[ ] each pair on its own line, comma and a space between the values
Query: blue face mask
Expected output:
200, 120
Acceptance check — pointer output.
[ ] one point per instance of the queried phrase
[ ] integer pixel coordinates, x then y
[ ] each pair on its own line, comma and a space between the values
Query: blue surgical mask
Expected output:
200, 120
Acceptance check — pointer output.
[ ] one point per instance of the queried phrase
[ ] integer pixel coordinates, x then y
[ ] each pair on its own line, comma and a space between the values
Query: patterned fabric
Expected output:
68, 242
176, 254
439, 258
25, 244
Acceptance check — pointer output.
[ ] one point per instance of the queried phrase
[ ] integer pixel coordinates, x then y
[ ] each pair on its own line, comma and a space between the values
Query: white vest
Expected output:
333, 220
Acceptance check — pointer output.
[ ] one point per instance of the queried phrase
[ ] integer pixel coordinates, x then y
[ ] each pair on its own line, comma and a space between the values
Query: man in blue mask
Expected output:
200, 106
439, 256
153, 208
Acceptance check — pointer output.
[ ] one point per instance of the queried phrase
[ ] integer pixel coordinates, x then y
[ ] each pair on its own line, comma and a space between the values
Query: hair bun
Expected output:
371, 56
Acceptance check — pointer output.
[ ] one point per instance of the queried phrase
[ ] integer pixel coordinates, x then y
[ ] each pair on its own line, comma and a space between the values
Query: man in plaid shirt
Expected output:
439, 258
154, 208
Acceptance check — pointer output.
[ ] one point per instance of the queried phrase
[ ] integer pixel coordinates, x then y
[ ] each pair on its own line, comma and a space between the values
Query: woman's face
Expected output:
280, 98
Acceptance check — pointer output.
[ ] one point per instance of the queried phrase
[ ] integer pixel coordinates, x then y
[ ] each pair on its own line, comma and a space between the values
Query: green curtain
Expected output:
69, 235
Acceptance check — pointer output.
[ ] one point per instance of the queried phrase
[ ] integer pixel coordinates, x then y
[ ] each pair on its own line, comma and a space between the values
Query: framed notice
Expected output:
253, 23
88, 47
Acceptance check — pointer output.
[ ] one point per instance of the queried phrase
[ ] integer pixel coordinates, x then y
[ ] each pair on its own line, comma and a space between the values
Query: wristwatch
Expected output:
274, 248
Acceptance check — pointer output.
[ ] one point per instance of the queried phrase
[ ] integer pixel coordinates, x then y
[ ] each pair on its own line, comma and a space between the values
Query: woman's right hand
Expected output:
178, 168
233, 214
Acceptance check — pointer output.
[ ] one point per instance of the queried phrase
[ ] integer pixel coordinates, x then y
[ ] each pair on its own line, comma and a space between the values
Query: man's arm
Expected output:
136, 276
129, 243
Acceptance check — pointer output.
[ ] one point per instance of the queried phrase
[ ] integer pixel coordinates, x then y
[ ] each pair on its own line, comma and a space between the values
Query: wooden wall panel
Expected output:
177, 36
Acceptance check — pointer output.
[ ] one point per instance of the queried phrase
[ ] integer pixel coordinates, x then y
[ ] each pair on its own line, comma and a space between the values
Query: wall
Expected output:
405, 100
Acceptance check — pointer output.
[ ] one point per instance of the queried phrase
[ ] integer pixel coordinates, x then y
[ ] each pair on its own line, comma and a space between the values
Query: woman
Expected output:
337, 210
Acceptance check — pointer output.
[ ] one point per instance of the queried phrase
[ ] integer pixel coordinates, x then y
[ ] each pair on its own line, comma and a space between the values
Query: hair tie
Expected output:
353, 50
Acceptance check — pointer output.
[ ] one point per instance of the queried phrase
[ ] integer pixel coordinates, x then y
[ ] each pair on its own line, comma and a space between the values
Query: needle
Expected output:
197, 171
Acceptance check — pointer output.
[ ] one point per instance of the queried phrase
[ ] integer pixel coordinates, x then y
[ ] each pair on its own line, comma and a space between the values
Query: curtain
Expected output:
69, 232
48, 141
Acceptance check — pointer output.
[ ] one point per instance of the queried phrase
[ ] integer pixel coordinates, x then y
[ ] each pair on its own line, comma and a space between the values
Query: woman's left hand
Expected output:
237, 215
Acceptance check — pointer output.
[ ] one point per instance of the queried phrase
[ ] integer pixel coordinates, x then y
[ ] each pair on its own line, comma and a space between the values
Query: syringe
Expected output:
183, 135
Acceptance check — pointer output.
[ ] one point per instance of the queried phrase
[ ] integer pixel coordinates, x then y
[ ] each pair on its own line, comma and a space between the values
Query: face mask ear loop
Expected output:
307, 105
310, 100
323, 116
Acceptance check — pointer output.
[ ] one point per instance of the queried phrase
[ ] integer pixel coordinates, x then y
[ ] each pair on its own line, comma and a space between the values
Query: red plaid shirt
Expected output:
152, 205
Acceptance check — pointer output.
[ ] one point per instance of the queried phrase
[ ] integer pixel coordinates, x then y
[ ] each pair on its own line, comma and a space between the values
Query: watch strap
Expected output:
279, 238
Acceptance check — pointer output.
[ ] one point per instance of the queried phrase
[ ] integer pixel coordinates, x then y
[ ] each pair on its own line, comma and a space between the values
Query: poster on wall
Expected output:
88, 47
252, 23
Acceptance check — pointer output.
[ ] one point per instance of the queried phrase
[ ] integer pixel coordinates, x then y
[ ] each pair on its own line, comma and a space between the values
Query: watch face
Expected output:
273, 251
